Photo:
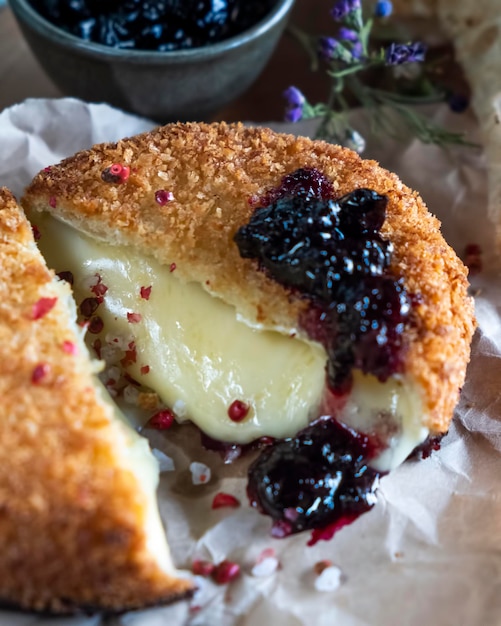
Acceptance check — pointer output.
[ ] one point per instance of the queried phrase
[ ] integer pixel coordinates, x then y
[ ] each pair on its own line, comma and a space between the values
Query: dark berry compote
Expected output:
330, 252
162, 25
315, 479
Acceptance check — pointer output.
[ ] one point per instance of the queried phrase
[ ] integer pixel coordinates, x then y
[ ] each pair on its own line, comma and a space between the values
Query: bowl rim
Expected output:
26, 13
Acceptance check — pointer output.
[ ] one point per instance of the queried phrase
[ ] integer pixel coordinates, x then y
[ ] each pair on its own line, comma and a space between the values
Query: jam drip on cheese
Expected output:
332, 253
317, 478
329, 251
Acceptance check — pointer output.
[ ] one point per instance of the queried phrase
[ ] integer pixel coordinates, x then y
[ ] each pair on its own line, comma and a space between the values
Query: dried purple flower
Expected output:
348, 34
327, 48
295, 103
357, 50
330, 49
293, 114
383, 8
400, 53
294, 97
353, 50
342, 8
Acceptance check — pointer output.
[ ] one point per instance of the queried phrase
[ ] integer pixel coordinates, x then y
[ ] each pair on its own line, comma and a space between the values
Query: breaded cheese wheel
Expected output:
73, 513
214, 176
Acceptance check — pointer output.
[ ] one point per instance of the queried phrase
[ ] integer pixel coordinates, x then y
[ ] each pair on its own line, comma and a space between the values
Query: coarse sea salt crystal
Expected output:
114, 373
179, 408
165, 463
89, 281
111, 354
329, 579
131, 395
265, 567
200, 473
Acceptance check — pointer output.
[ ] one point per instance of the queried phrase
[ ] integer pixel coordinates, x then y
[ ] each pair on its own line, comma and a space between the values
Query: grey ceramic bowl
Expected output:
165, 86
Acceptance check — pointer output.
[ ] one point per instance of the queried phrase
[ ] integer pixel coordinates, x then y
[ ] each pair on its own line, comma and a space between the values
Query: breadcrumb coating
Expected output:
214, 173
71, 513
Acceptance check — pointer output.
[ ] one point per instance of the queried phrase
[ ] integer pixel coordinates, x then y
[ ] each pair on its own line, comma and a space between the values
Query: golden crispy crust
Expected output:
71, 514
213, 171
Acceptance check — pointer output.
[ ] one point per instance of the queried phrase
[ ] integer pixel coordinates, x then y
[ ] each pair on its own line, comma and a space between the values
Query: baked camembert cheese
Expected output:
266, 285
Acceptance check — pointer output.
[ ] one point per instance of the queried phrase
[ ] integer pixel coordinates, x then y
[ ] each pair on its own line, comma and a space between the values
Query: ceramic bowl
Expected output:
181, 85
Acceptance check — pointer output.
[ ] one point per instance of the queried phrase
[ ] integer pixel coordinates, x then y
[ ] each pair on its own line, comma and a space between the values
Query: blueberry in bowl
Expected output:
169, 60
161, 25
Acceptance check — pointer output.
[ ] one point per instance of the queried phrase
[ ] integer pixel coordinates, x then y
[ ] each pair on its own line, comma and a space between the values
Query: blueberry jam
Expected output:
306, 182
330, 252
315, 479
161, 25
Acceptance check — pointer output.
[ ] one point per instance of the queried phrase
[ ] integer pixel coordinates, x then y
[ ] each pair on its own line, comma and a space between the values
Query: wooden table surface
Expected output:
21, 77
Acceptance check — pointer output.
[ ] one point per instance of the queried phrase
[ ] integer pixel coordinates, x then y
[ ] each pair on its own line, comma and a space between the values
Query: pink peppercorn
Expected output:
40, 372
162, 197
202, 568
134, 318
225, 572
238, 411
116, 173
162, 420
222, 500
42, 307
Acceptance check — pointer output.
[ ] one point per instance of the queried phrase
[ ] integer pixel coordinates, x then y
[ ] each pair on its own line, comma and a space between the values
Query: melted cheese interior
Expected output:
202, 357
392, 410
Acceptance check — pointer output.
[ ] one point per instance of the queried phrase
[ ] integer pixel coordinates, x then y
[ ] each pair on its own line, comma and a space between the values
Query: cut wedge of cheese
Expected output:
78, 512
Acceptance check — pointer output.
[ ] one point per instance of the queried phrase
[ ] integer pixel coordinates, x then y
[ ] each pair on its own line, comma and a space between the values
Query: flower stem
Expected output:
308, 44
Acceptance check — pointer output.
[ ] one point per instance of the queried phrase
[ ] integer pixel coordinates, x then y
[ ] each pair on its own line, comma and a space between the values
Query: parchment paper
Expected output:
429, 553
